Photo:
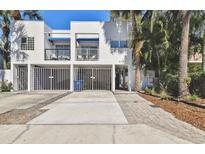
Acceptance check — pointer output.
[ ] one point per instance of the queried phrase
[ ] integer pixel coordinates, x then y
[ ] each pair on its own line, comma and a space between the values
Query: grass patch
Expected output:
192, 98
164, 95
149, 91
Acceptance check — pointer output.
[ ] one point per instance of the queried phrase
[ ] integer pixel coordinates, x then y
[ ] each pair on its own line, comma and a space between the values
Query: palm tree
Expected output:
5, 26
32, 14
183, 59
136, 18
203, 54
6, 16
16, 15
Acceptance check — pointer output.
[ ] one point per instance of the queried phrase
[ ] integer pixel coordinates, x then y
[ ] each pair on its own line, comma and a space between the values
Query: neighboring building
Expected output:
195, 58
89, 56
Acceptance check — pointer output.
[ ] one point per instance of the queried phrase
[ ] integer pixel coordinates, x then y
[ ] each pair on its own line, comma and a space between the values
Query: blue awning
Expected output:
87, 39
58, 39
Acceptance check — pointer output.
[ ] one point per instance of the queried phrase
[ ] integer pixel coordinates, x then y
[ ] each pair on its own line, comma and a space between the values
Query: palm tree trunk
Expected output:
132, 20
138, 47
16, 14
158, 63
136, 52
6, 31
183, 59
203, 55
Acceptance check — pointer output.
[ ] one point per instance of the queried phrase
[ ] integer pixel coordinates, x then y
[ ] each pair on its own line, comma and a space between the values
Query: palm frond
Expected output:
32, 14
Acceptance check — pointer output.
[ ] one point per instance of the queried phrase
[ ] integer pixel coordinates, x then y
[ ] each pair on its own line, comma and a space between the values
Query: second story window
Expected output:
119, 44
27, 43
87, 47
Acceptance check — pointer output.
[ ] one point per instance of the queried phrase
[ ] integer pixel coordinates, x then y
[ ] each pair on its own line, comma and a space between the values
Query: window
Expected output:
62, 51
119, 44
27, 43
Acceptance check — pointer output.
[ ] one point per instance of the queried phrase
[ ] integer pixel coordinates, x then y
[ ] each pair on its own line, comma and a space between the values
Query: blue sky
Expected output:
60, 19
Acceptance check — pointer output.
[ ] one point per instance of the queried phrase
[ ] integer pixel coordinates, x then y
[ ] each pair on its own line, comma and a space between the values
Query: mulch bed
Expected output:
190, 114
200, 101
22, 116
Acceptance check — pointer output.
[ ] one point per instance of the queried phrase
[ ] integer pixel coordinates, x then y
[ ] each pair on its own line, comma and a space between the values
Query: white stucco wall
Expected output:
27, 29
5, 75
107, 31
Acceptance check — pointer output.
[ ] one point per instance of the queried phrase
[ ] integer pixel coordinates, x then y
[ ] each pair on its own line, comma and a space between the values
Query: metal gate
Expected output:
92, 78
21, 78
45, 78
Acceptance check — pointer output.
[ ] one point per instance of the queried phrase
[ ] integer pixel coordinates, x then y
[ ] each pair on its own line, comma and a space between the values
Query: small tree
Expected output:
183, 59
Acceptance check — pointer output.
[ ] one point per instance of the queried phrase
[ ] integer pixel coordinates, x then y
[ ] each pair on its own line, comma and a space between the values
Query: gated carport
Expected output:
21, 77
92, 77
64, 77
50, 78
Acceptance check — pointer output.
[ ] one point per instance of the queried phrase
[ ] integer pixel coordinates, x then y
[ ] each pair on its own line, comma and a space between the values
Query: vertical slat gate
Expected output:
22, 78
45, 78
92, 78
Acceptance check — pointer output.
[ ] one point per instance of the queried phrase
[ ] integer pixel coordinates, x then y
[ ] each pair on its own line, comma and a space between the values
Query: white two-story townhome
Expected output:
89, 56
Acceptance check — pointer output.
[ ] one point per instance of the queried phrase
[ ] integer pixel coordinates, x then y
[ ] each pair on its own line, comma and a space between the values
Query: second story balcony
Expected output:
57, 54
87, 54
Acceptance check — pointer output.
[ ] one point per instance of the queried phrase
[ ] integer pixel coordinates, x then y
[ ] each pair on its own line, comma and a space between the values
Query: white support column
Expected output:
71, 77
73, 47
29, 77
113, 77
129, 78
123, 76
12, 75
72, 55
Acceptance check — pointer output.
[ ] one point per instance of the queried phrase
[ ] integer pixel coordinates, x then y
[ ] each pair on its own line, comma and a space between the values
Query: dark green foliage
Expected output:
161, 48
197, 85
6, 87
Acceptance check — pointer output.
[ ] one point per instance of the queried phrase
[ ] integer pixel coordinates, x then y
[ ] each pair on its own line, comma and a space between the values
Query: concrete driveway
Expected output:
96, 117
96, 107
10, 101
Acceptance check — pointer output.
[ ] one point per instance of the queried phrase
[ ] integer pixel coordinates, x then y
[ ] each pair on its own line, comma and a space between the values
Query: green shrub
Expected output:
169, 83
187, 81
6, 86
164, 95
149, 91
192, 98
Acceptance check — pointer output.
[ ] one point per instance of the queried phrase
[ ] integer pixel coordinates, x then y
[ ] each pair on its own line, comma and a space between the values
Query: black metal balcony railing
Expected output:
57, 54
87, 54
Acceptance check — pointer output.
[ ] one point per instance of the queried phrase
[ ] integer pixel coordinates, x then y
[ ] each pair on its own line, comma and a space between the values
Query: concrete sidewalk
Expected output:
85, 134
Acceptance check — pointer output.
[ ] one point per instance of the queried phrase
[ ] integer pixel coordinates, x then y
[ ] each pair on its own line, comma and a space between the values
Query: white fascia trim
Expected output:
58, 32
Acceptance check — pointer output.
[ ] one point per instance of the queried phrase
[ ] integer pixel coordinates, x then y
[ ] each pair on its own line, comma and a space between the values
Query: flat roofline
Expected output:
85, 21
58, 32
30, 20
